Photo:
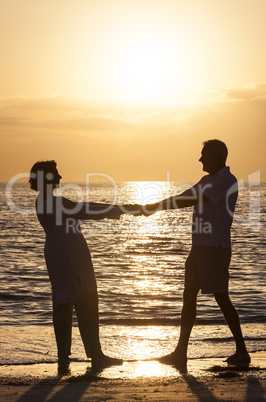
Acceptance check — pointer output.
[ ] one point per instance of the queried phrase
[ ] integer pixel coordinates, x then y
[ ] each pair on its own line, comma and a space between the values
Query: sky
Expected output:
130, 89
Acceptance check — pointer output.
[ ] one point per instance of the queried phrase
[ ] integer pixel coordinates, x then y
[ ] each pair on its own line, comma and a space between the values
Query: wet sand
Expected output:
205, 379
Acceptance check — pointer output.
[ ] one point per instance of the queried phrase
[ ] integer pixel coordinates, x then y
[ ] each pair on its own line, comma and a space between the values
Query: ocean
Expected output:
139, 266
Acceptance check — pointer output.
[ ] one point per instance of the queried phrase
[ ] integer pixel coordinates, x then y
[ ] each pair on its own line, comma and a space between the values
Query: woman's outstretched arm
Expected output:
97, 211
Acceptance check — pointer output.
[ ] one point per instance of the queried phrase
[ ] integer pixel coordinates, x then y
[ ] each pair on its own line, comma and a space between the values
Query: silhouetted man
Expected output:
214, 198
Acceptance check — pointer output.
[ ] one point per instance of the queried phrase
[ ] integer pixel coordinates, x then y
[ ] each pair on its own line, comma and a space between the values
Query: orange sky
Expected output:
132, 88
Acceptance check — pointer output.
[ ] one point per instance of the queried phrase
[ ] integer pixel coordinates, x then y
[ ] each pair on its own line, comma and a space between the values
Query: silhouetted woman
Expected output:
69, 265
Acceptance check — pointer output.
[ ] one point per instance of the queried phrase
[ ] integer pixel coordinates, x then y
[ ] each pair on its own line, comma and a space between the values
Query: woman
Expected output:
69, 264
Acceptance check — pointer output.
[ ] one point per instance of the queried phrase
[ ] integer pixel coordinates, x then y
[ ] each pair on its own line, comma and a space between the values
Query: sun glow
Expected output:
145, 67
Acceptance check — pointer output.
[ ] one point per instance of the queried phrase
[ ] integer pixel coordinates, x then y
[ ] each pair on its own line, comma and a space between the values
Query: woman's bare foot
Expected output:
175, 359
103, 361
63, 366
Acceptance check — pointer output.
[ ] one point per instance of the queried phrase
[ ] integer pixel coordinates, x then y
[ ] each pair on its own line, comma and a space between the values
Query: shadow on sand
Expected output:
202, 386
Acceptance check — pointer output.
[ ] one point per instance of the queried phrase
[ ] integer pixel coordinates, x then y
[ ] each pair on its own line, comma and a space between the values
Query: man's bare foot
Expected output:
239, 359
104, 361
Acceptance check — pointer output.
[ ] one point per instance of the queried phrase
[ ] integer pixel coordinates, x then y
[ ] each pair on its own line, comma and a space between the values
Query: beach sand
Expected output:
205, 379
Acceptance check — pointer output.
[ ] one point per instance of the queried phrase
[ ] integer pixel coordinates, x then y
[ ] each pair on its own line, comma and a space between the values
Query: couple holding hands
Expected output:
71, 271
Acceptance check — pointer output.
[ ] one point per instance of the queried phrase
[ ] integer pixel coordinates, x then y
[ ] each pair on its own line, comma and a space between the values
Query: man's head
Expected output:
213, 156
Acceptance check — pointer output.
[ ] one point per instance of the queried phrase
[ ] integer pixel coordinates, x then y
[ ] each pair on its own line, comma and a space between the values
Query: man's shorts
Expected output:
206, 268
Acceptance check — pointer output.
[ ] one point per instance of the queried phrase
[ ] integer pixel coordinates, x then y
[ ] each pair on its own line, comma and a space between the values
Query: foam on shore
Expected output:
31, 373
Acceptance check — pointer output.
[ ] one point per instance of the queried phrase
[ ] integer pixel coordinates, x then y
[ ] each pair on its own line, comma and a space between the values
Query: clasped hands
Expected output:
138, 210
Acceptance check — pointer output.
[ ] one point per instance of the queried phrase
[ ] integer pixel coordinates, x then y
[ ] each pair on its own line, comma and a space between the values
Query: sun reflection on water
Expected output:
149, 225
140, 346
145, 192
142, 342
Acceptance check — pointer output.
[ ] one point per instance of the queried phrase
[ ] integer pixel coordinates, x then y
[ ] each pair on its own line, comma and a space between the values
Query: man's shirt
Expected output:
212, 217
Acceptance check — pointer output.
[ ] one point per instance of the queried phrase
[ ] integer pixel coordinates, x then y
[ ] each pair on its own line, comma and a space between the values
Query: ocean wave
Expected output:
139, 267
21, 297
44, 318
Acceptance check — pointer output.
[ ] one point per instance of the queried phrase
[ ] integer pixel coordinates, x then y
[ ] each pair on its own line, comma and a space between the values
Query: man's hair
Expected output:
40, 168
218, 147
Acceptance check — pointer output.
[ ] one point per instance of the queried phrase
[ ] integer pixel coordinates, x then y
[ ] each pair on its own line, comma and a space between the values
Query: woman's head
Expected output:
43, 175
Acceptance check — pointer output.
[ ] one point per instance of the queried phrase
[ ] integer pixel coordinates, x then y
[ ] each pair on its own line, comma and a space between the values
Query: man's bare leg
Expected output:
232, 320
188, 317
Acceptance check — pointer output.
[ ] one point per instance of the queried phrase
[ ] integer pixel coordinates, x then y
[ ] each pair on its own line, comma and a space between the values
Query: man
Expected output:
214, 198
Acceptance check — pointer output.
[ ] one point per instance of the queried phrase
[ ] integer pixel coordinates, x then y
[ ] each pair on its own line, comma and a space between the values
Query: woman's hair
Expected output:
39, 171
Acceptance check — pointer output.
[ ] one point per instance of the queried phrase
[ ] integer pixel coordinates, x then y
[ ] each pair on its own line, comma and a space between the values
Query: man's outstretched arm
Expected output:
184, 200
187, 199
